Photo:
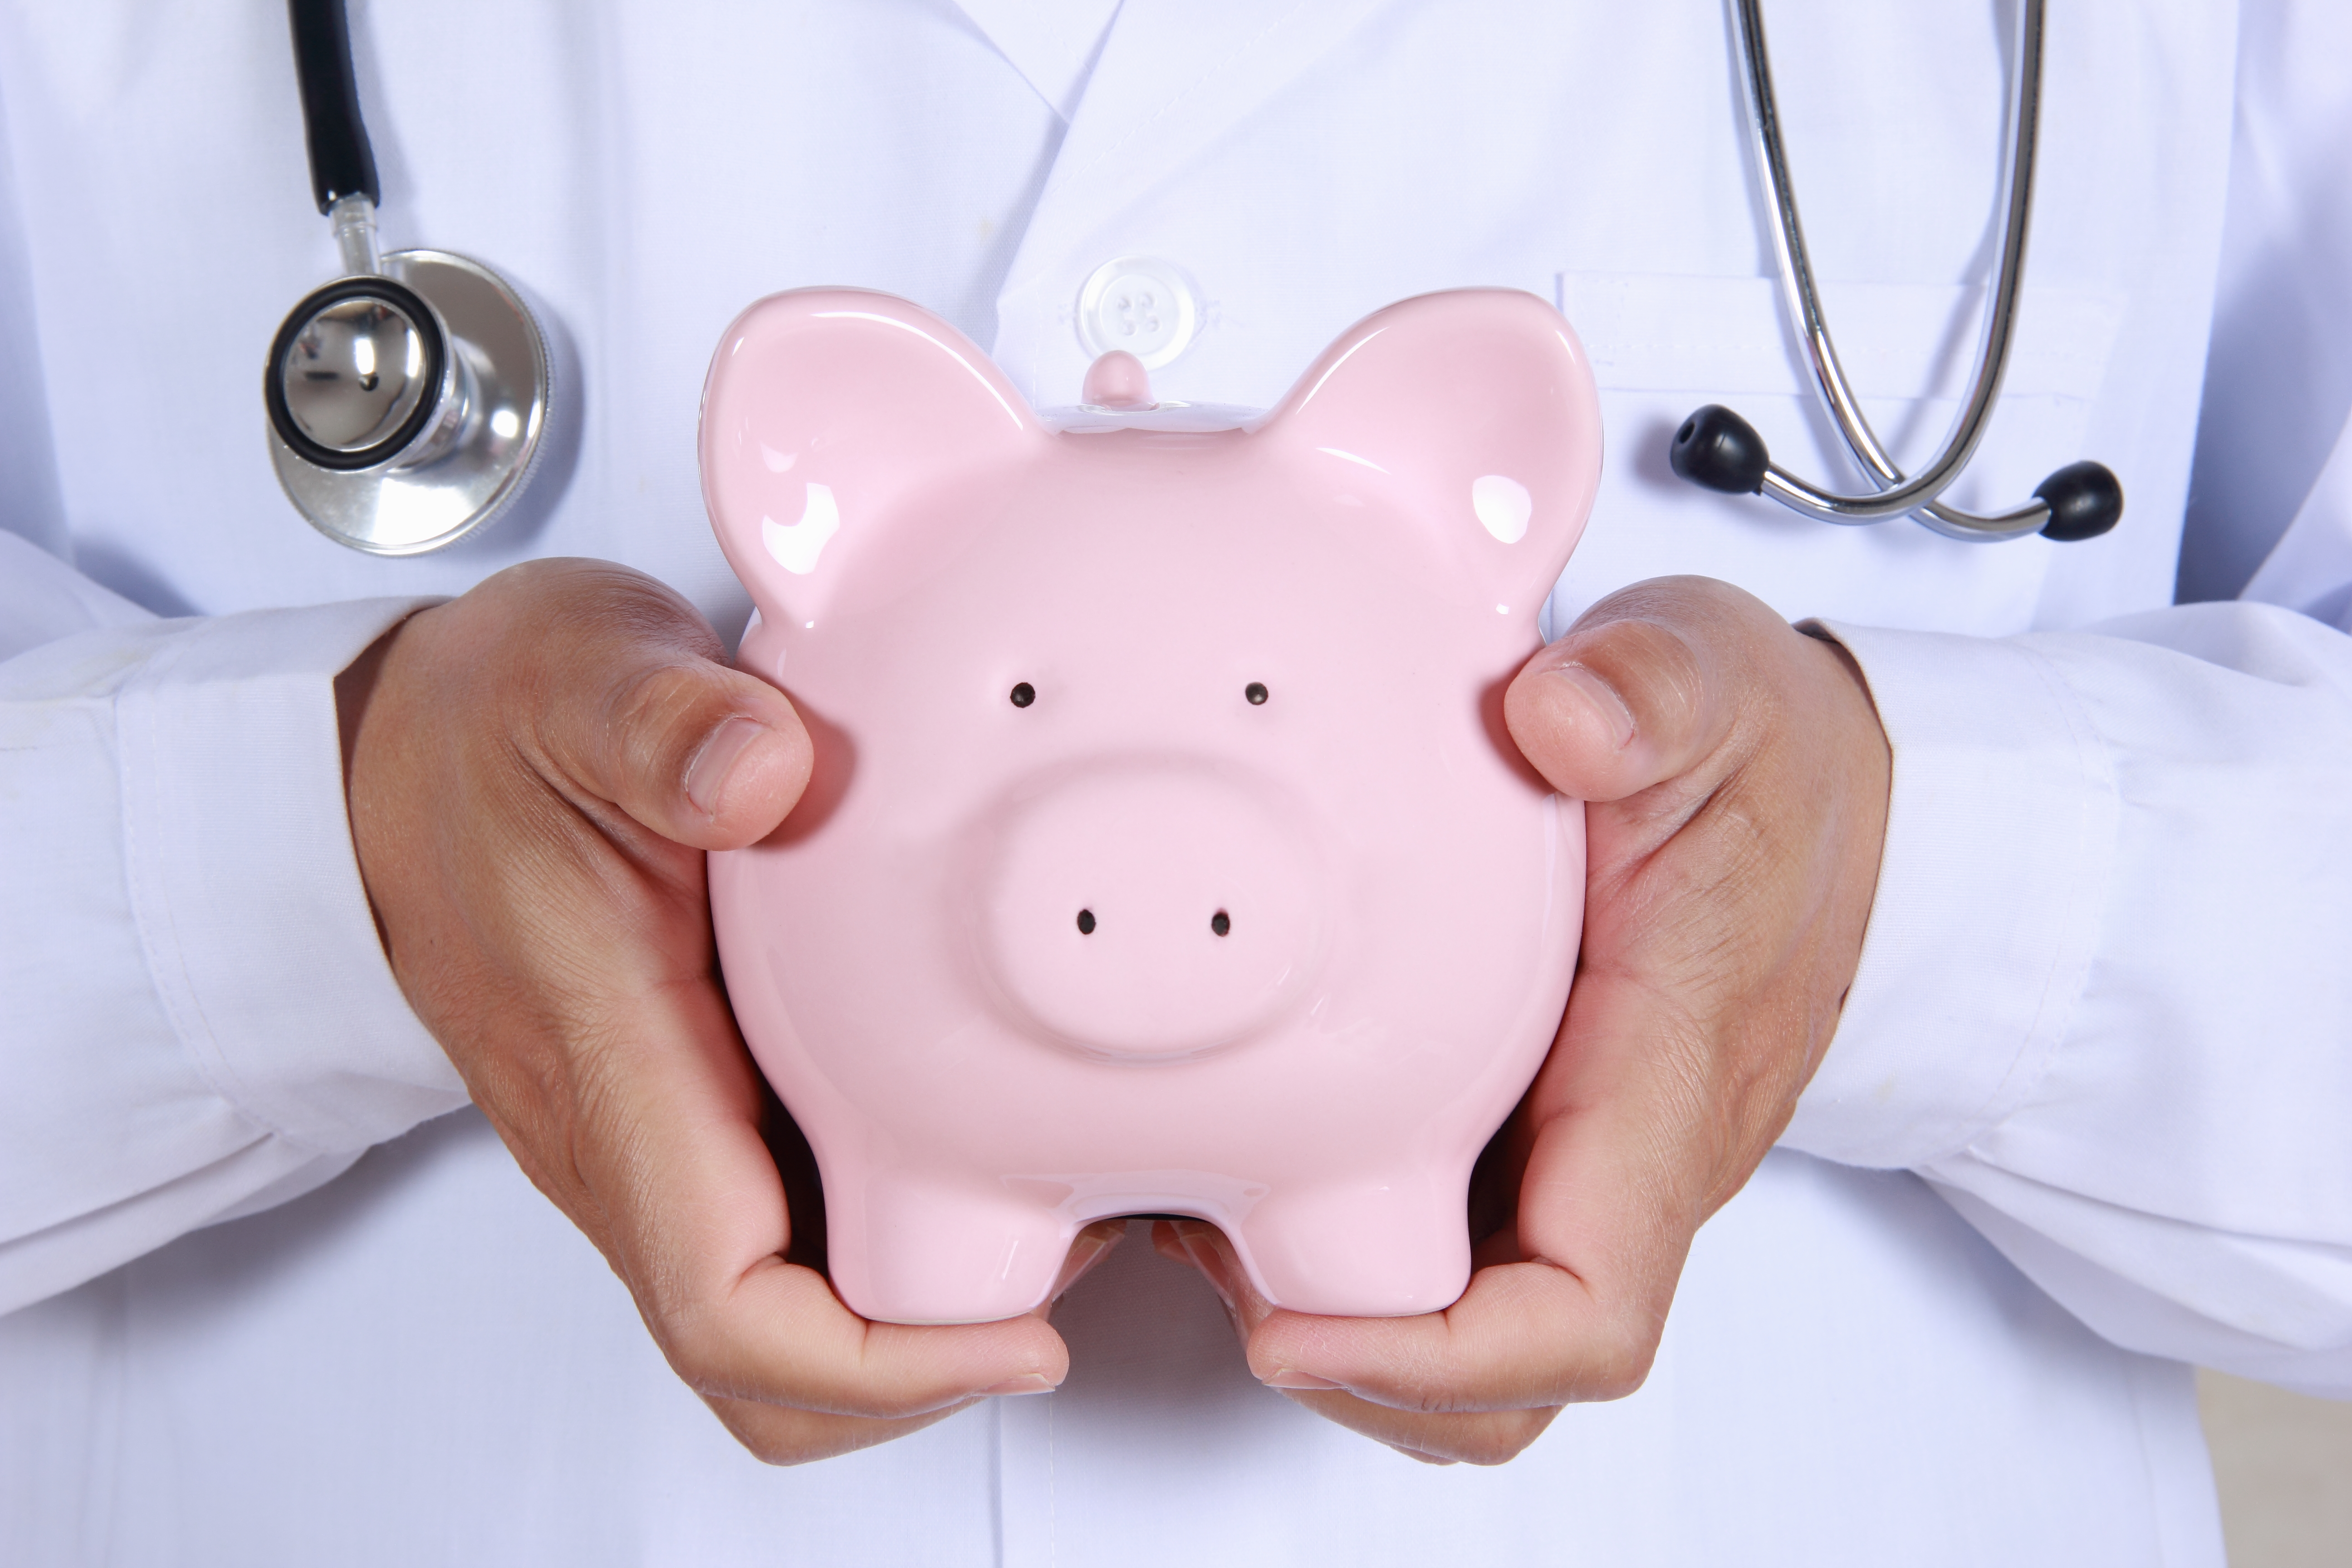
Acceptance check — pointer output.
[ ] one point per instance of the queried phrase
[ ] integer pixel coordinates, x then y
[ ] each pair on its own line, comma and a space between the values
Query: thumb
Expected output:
636, 708
1638, 691
704, 755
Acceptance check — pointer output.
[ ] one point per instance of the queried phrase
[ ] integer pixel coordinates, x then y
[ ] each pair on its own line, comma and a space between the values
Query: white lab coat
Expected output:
2082, 1119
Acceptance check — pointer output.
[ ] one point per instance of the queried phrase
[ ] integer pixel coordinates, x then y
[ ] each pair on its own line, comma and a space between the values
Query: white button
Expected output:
1141, 304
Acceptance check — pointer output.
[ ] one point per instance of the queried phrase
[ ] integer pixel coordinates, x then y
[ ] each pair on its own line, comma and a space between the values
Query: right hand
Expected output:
535, 771
1735, 778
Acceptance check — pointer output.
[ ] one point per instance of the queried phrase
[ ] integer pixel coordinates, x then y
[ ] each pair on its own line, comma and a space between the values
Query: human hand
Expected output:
535, 769
1737, 778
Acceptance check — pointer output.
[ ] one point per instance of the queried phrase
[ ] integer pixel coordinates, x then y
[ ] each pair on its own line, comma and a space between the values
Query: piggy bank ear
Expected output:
1479, 409
825, 411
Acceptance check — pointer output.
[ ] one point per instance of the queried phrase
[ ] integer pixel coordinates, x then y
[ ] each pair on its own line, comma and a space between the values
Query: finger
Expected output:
776, 1435
778, 1335
1644, 685
1088, 1249
694, 1219
1627, 1158
1432, 1437
704, 754
1626, 1163
632, 701
1525, 1337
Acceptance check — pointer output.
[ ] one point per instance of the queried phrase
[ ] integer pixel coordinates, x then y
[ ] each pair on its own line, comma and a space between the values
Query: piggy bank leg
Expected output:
1387, 1246
923, 1249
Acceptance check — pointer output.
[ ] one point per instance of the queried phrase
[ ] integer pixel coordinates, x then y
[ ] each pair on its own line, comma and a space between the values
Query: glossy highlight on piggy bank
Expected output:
1165, 852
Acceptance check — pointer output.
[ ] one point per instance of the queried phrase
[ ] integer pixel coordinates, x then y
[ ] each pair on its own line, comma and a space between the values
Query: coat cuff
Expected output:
247, 890
2000, 829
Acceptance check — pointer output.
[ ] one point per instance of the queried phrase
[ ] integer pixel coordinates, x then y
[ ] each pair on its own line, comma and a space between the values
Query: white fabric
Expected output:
425, 1363
1051, 42
2164, 1155
2098, 1012
2310, 569
240, 1036
2282, 317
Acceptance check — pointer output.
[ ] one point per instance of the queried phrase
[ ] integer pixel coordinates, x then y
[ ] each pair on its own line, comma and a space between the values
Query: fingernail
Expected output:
1166, 1242
1079, 1263
1027, 1382
705, 776
1212, 1265
1291, 1377
1614, 716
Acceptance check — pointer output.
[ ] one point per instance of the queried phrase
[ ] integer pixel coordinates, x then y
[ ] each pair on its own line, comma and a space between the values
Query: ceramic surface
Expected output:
1165, 851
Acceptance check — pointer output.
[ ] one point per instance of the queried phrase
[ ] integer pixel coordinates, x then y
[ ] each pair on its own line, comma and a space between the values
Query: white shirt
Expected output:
2081, 1121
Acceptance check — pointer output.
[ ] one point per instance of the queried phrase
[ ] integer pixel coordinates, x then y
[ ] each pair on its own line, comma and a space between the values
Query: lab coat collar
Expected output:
1172, 77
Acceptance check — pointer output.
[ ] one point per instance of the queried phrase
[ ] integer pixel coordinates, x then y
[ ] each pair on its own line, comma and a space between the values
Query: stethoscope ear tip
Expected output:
1718, 450
2085, 499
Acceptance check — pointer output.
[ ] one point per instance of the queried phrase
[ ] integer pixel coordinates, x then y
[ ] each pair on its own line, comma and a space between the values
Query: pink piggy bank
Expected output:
1165, 852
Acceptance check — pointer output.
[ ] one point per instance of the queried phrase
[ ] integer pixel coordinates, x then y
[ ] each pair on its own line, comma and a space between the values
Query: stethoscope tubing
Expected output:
1898, 495
343, 162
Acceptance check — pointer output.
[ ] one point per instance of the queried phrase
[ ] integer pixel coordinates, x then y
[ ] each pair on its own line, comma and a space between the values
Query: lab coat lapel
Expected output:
1050, 42
1172, 77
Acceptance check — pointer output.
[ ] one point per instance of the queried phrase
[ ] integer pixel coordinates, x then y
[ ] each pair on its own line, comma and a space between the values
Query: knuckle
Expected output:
1500, 1440
1621, 1362
657, 721
596, 597
774, 1437
578, 614
1653, 665
783, 1453
695, 1352
672, 703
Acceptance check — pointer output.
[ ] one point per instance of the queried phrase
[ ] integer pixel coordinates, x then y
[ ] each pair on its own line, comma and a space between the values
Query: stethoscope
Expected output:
1718, 448
408, 399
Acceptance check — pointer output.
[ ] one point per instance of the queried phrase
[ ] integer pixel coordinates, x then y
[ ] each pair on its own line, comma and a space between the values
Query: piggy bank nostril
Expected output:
1085, 922
1220, 922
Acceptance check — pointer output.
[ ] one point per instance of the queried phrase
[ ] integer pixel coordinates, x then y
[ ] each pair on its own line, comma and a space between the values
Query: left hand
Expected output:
536, 770
1736, 781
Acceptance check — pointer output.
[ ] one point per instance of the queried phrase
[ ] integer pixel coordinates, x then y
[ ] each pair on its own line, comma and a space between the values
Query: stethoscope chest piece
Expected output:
406, 407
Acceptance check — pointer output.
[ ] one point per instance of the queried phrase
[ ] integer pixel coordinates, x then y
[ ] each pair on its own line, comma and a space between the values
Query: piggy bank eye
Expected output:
1255, 693
1024, 694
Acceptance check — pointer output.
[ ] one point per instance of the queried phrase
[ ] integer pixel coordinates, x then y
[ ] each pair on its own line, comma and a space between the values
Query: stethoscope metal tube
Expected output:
408, 398
1717, 448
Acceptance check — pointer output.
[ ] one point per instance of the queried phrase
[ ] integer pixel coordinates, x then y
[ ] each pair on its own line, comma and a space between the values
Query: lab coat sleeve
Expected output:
2104, 1002
196, 1016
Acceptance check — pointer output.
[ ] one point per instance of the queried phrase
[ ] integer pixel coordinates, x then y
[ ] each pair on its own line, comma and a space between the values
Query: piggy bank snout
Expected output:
1154, 911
